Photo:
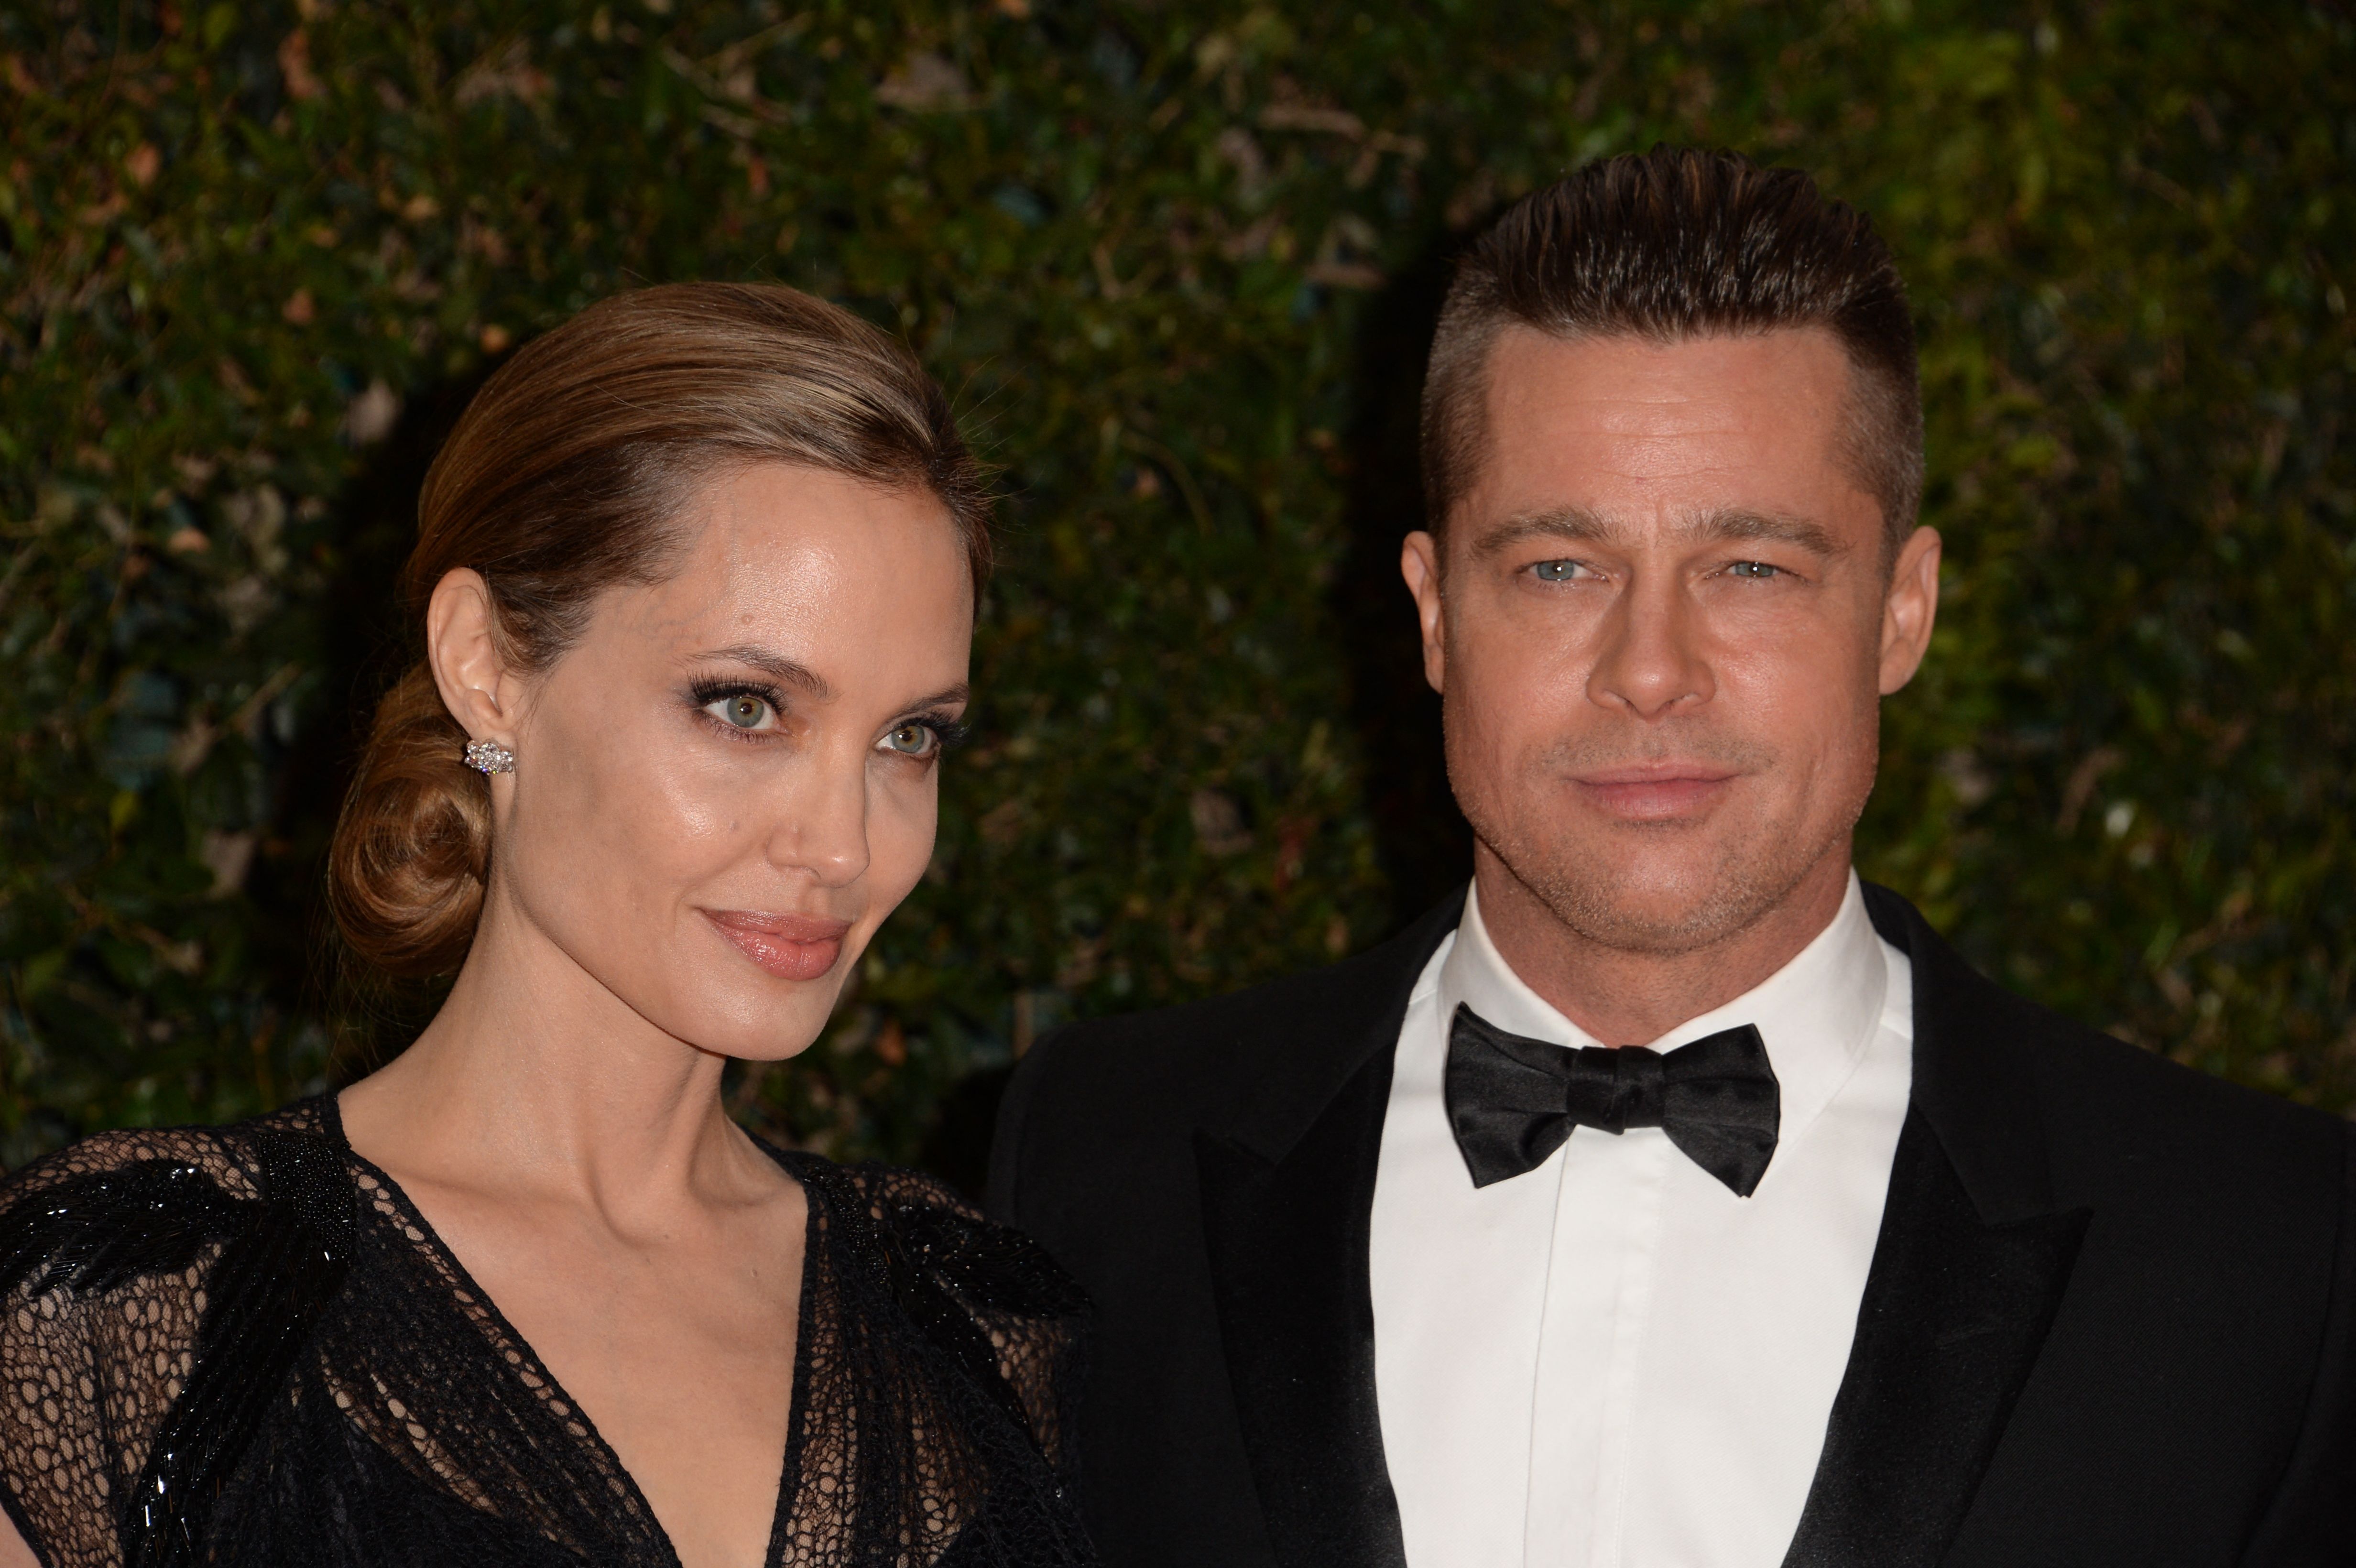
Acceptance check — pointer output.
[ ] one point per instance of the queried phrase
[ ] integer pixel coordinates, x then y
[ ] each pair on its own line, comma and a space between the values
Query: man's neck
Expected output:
1623, 995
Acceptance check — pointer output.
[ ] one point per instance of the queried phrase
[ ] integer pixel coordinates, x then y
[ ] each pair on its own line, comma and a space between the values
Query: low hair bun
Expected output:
411, 849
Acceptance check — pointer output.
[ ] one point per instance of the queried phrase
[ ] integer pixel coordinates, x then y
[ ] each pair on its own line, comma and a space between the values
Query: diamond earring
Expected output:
489, 757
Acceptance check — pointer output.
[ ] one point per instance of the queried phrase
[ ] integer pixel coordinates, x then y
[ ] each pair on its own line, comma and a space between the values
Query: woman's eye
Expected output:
912, 740
743, 712
1753, 569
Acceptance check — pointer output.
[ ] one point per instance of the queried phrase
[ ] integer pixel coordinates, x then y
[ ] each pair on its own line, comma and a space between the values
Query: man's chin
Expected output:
1656, 930
1664, 914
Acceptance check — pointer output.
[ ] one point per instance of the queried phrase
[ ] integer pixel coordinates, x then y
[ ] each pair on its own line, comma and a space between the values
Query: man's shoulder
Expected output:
1135, 1081
2126, 1111
2117, 1116
1203, 1046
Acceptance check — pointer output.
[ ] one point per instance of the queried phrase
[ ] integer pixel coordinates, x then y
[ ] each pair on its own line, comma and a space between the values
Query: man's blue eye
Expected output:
1556, 571
1753, 569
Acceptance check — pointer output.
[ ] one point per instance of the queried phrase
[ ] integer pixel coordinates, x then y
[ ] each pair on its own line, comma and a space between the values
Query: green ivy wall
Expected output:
1177, 261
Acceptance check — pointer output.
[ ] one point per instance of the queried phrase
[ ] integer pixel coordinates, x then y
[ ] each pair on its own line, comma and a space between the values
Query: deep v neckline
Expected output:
495, 1322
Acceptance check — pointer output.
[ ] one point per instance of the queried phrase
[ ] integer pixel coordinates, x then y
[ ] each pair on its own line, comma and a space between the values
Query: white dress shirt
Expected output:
1611, 1360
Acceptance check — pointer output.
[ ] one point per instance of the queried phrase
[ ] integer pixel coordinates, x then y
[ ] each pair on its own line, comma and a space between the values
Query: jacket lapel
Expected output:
1287, 1193
1972, 1262
1954, 1312
1288, 1245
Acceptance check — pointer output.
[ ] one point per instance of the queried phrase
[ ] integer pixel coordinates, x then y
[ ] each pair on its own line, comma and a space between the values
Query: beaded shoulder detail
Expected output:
130, 1392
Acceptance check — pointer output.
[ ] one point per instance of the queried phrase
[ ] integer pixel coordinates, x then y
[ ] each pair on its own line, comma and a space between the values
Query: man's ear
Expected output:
1419, 564
1909, 608
462, 645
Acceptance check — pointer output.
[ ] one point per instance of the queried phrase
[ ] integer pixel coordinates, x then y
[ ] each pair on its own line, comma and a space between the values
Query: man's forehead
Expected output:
1695, 386
1593, 432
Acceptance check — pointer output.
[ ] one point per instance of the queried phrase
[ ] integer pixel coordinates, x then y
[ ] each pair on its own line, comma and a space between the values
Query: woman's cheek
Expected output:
905, 830
706, 808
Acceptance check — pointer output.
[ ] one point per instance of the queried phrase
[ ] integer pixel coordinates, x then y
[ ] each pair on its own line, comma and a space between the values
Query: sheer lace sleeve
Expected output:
1026, 1316
106, 1252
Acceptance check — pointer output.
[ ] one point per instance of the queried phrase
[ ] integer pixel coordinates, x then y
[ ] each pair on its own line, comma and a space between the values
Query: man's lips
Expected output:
790, 946
1655, 791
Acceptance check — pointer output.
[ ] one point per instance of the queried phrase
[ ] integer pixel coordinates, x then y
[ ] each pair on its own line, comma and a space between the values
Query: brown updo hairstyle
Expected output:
565, 476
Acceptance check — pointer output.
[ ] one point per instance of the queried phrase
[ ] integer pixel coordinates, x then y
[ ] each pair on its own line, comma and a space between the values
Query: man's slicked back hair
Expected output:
1670, 245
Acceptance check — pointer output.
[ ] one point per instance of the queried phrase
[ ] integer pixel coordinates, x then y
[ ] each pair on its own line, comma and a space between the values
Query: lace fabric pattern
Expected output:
242, 1345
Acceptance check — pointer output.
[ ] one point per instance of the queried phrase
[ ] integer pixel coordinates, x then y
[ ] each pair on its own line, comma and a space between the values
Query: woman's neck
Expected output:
535, 1079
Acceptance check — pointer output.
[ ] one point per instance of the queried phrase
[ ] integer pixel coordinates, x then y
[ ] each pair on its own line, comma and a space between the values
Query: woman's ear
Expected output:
462, 645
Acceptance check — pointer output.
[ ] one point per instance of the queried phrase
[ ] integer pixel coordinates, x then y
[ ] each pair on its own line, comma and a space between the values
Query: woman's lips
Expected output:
790, 946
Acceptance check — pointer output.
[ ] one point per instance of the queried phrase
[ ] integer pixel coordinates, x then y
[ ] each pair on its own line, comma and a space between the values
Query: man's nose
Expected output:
1651, 662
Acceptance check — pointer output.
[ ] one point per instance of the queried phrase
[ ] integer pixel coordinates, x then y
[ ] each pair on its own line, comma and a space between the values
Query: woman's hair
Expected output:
565, 476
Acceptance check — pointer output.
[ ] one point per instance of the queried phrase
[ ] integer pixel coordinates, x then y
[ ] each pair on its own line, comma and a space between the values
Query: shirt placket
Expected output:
1591, 1351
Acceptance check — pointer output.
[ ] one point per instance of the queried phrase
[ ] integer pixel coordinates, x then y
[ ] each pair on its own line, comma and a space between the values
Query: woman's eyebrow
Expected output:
770, 662
948, 697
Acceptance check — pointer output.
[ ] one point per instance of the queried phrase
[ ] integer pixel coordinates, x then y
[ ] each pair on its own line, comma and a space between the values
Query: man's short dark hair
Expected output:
1669, 245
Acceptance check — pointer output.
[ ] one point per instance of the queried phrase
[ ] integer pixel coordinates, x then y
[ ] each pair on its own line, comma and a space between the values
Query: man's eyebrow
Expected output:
1570, 523
769, 662
1575, 525
1736, 523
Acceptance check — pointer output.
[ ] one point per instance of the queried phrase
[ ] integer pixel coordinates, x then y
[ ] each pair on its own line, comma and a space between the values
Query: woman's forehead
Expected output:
791, 556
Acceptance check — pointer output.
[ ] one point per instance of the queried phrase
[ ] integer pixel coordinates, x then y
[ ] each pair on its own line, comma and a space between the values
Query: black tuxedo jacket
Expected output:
2111, 1317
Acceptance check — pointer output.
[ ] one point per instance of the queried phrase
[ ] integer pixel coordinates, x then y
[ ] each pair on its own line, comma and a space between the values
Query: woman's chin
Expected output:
739, 1013
760, 1025
770, 1053
763, 1042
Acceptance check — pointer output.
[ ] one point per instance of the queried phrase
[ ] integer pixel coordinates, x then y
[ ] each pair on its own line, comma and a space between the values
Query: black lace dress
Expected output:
243, 1346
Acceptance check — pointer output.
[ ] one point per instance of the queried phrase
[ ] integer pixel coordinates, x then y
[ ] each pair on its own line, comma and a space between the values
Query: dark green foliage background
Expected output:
1176, 259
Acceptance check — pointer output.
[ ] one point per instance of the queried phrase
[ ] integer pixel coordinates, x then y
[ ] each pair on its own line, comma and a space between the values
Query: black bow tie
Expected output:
1514, 1101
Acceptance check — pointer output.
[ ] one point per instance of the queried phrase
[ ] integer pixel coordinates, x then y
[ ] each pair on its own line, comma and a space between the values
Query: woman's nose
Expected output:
822, 826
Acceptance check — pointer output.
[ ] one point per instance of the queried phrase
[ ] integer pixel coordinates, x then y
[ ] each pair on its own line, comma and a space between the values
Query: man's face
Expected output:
1662, 629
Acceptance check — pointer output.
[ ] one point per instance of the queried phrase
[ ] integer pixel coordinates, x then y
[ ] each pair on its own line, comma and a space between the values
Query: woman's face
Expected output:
731, 779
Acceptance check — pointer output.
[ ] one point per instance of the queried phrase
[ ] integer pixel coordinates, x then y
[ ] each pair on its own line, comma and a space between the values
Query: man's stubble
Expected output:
1601, 899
